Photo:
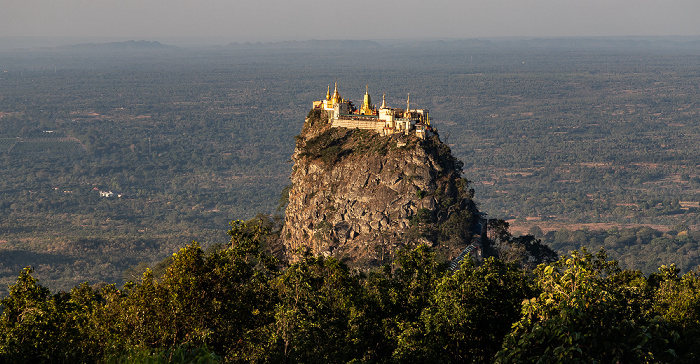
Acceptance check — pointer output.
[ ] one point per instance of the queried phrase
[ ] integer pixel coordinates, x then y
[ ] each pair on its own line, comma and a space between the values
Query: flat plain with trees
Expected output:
555, 137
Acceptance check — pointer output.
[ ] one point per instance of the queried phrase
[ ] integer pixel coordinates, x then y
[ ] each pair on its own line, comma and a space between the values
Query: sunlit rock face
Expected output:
359, 196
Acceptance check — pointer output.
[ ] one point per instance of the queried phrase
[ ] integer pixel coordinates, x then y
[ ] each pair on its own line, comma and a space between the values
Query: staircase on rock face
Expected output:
476, 245
454, 265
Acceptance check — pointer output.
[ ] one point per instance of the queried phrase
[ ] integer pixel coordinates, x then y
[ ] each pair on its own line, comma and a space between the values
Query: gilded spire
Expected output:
366, 108
335, 99
408, 104
328, 94
383, 101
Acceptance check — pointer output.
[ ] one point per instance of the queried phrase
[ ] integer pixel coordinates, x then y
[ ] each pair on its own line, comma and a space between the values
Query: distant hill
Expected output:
118, 46
551, 42
517, 42
600, 42
309, 44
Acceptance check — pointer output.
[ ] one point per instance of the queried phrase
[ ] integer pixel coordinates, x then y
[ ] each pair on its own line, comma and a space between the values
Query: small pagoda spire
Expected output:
366, 108
328, 94
336, 98
408, 104
383, 102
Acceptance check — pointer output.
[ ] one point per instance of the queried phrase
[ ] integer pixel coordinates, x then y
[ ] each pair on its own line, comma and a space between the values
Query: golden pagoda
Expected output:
367, 108
335, 99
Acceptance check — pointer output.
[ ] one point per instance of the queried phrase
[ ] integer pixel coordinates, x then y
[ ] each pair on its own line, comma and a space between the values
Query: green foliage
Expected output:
639, 247
527, 251
420, 193
330, 145
416, 274
464, 185
422, 217
588, 311
678, 301
37, 327
393, 300
284, 197
234, 305
181, 354
469, 314
217, 301
313, 317
327, 146
457, 227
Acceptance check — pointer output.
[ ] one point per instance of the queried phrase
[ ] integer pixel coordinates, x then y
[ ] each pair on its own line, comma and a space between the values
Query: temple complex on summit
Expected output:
384, 120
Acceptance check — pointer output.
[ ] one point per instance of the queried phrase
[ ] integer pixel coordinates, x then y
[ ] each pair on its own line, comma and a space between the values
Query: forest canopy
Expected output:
237, 303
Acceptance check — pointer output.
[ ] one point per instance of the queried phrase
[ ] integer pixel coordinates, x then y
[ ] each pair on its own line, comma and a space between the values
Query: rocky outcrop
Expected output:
360, 196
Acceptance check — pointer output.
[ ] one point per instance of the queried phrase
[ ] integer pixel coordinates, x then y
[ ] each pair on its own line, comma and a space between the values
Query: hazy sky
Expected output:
254, 20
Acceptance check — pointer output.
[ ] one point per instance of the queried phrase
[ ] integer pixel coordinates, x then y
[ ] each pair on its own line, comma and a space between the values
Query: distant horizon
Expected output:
185, 41
277, 20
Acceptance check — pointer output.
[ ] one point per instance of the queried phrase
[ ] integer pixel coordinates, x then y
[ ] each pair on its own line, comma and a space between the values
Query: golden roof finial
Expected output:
383, 102
336, 96
366, 108
328, 94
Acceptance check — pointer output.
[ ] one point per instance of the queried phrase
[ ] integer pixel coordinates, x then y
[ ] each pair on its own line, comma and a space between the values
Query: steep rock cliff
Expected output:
360, 196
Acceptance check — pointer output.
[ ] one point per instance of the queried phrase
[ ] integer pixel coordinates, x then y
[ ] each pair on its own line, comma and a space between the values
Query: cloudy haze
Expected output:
265, 20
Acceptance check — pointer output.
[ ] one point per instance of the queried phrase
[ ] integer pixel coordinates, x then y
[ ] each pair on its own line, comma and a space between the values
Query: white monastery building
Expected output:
384, 120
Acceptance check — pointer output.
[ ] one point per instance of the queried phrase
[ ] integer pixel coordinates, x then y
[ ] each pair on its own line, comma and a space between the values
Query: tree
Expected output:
470, 313
313, 320
526, 250
37, 327
588, 311
677, 299
221, 301
396, 298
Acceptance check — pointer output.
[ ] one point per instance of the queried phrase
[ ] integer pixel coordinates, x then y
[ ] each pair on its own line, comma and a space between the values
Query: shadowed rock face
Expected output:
360, 196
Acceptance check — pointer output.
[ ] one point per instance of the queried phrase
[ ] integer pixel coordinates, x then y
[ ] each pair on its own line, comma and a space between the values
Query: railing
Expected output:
454, 264
480, 229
